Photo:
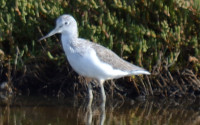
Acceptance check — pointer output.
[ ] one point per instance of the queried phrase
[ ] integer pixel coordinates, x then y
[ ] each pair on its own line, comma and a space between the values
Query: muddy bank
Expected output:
45, 77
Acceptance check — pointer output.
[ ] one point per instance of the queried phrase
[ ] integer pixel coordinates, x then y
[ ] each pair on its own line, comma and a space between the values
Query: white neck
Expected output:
68, 40
66, 37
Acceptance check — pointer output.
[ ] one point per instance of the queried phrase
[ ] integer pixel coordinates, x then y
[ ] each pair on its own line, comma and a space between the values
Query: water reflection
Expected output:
54, 111
96, 111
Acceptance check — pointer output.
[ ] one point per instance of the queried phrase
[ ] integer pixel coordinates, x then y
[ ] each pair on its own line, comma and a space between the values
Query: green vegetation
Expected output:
162, 36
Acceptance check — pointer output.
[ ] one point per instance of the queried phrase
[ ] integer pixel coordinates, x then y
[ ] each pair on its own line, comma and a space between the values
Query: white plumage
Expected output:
90, 59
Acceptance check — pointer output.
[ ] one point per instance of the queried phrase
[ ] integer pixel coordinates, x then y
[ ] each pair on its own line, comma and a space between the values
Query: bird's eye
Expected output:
66, 23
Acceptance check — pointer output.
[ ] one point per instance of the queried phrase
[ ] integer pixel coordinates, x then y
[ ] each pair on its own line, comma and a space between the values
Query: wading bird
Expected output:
89, 59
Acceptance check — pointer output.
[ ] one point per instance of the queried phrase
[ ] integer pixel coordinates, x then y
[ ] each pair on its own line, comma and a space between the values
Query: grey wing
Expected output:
108, 56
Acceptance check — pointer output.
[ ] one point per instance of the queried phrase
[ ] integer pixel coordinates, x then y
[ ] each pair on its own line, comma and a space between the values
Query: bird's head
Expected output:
65, 24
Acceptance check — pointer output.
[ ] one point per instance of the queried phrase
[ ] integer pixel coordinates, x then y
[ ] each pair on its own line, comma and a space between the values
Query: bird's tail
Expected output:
139, 72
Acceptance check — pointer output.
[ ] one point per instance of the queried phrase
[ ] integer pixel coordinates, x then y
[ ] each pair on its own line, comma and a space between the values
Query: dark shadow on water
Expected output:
53, 111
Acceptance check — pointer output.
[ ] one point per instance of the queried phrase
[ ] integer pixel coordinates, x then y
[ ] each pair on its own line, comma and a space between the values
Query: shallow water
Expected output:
68, 111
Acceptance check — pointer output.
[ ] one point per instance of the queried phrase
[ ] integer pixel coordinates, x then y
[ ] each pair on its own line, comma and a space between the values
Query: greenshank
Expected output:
89, 59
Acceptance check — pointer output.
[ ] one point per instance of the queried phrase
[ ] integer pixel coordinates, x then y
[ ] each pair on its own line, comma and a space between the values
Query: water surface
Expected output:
69, 111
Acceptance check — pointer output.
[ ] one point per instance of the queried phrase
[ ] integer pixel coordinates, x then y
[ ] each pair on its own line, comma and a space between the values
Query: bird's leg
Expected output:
103, 95
90, 91
90, 95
